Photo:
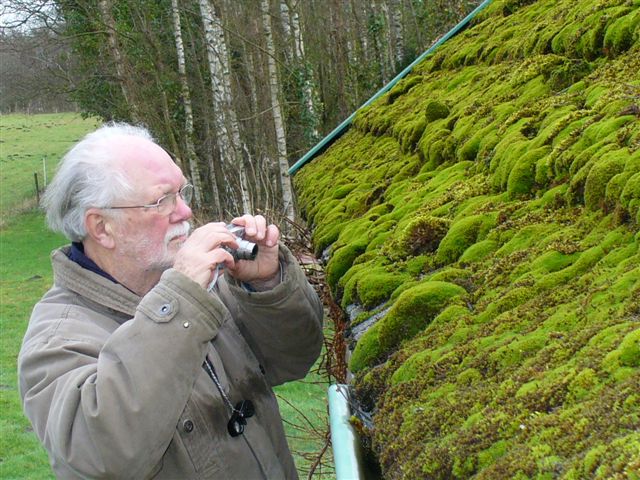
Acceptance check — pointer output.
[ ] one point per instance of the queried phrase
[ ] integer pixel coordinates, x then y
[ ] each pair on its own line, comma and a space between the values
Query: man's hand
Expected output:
201, 252
265, 267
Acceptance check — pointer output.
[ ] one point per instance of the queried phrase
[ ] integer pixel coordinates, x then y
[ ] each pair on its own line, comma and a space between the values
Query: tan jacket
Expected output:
114, 385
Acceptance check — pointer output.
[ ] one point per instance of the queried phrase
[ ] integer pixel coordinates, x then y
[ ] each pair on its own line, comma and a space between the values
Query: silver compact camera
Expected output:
246, 250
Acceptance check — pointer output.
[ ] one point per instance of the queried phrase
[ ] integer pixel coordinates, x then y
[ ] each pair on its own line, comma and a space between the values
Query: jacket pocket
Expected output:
197, 440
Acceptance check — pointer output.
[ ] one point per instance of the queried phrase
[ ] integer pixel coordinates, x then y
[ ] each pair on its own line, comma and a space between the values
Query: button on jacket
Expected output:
114, 385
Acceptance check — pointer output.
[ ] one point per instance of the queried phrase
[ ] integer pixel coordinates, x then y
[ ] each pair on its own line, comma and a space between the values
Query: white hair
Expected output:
86, 178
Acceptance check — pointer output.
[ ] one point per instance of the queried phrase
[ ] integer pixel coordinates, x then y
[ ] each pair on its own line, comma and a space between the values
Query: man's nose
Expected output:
182, 210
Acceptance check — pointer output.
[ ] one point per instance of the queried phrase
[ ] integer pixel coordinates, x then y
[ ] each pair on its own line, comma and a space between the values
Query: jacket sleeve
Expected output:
106, 403
283, 326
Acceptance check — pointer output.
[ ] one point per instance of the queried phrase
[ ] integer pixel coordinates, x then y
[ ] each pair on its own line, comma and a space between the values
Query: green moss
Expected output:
552, 261
619, 36
375, 288
368, 350
422, 235
478, 251
414, 309
403, 87
599, 176
435, 110
491, 454
522, 176
341, 260
343, 191
627, 354
462, 235
533, 165
584, 385
414, 365
451, 275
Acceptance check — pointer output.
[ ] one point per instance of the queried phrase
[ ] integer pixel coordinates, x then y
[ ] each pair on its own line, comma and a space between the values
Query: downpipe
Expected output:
347, 452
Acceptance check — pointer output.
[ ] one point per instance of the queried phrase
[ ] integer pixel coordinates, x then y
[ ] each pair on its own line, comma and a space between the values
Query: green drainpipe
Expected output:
339, 130
347, 455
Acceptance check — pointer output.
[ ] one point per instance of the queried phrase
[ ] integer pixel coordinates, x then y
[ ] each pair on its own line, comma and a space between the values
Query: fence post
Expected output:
35, 176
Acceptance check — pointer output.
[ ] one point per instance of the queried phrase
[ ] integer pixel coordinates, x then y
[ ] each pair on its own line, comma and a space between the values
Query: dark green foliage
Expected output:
511, 349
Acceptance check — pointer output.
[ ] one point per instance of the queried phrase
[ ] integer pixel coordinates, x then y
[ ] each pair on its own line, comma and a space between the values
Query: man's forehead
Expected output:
139, 153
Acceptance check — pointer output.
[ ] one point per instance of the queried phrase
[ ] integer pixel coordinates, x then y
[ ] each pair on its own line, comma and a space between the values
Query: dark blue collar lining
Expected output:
76, 254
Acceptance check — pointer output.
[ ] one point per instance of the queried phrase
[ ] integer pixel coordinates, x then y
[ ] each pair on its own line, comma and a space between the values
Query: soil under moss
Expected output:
492, 200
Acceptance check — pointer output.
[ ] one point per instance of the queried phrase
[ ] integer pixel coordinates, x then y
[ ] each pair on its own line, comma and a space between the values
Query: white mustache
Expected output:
177, 231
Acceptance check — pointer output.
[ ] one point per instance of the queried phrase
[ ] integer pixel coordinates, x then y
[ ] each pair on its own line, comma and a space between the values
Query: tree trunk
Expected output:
225, 120
185, 92
281, 141
395, 27
308, 93
106, 13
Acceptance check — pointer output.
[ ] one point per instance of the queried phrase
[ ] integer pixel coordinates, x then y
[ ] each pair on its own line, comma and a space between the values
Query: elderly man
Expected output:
142, 361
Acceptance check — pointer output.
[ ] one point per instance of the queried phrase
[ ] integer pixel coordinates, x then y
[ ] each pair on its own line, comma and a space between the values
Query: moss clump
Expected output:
341, 260
375, 288
599, 176
622, 33
410, 313
435, 110
462, 235
522, 177
368, 350
414, 309
478, 251
423, 235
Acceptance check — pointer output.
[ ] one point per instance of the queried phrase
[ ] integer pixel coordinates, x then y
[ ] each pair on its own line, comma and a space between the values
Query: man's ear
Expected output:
99, 228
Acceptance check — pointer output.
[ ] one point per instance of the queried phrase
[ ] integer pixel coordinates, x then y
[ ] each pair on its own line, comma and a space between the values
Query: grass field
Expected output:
33, 144
25, 274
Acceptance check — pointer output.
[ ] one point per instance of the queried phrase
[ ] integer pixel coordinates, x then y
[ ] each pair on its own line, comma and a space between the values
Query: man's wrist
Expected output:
267, 284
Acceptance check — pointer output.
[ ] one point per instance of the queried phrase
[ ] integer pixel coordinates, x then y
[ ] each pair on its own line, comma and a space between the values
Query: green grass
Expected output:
33, 144
25, 275
303, 406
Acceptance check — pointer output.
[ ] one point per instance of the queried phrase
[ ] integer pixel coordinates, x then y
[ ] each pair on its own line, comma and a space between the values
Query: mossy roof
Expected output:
507, 164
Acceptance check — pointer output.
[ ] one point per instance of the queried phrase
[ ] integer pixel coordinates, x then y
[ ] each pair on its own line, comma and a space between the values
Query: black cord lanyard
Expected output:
244, 408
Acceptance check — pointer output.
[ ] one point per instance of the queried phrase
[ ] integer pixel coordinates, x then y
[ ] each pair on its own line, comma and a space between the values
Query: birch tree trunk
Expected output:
225, 120
106, 13
308, 92
281, 141
395, 27
381, 40
230, 116
185, 93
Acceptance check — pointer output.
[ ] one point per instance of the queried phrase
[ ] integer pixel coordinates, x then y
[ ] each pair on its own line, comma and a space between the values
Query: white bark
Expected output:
192, 158
308, 93
281, 141
225, 120
295, 56
384, 45
285, 17
395, 27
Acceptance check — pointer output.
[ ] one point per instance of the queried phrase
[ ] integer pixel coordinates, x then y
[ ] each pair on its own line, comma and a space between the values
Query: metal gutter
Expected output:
347, 455
339, 130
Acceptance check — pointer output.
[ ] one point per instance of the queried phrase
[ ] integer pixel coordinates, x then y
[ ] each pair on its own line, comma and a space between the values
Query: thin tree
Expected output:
185, 93
106, 12
281, 140
225, 121
396, 31
293, 35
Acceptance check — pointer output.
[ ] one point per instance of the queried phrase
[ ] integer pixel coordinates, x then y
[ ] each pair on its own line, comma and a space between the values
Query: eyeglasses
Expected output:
167, 203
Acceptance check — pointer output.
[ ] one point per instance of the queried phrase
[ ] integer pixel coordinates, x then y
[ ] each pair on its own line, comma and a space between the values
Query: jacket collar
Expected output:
76, 253
91, 284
